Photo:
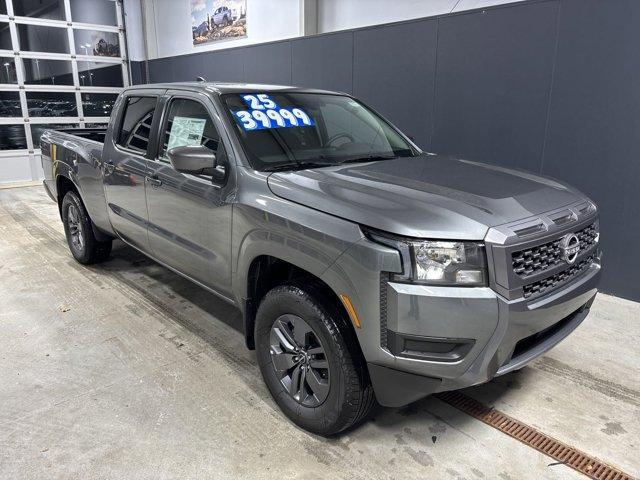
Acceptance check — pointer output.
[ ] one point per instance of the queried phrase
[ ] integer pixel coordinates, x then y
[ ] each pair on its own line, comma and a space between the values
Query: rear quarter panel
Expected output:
79, 160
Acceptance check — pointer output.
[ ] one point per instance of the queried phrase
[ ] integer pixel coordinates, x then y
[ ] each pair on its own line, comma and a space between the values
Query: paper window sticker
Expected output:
186, 131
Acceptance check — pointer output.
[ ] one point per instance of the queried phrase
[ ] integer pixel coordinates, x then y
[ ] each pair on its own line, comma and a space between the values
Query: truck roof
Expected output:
224, 87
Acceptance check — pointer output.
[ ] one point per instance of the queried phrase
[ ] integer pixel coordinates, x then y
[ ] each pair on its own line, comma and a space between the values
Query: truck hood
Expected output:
427, 196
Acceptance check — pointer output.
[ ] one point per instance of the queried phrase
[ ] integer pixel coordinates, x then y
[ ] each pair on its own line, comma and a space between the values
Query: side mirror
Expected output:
193, 159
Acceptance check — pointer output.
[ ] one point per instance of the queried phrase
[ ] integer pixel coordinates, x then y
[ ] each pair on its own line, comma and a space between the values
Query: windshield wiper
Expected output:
299, 166
368, 158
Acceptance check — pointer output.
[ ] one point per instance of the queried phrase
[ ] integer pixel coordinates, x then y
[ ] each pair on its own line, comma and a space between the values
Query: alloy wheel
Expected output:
75, 227
299, 360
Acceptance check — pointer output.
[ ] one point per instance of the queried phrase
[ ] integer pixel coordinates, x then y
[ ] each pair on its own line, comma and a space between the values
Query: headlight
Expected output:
450, 263
435, 262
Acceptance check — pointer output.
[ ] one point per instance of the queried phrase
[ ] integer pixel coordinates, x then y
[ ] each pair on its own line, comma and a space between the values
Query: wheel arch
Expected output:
266, 272
65, 184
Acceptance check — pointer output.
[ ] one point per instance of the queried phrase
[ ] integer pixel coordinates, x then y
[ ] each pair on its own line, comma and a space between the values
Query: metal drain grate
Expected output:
580, 461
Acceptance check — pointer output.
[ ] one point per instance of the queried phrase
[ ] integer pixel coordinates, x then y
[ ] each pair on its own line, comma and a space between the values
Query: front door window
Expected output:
189, 123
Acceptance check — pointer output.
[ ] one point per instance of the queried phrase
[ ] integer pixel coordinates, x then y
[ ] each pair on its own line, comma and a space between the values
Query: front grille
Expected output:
537, 259
587, 236
559, 278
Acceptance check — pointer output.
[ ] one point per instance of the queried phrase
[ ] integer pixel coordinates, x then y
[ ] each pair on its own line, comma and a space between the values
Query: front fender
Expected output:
358, 273
311, 242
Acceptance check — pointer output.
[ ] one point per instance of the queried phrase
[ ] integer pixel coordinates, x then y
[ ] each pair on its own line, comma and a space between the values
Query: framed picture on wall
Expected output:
215, 20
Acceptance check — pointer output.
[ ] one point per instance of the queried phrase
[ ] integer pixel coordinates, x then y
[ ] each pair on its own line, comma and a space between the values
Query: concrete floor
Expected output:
125, 370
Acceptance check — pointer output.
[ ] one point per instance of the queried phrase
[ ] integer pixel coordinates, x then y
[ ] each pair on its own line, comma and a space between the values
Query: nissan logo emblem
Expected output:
570, 246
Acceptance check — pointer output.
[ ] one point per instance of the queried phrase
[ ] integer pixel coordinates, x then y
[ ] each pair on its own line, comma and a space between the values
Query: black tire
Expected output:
350, 395
78, 228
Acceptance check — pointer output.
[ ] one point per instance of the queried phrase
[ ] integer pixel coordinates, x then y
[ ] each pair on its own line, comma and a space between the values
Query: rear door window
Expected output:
135, 131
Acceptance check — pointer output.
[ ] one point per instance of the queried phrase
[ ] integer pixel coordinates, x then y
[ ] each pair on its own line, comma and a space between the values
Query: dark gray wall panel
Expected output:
593, 139
219, 66
186, 68
492, 87
323, 62
161, 69
394, 70
137, 72
226, 66
269, 63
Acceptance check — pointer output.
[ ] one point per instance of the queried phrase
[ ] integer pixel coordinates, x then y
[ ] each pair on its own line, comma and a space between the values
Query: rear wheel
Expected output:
78, 229
310, 362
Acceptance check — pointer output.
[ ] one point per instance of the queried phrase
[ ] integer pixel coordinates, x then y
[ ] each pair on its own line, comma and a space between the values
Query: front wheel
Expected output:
78, 229
310, 362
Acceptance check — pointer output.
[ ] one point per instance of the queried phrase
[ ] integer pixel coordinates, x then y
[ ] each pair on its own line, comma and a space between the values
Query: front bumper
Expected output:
446, 338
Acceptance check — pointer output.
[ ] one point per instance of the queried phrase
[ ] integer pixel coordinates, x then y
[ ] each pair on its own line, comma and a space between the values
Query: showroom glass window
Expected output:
40, 71
5, 36
69, 69
8, 72
49, 9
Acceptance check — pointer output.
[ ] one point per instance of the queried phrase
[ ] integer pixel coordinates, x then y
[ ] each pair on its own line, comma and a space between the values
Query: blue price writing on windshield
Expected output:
260, 119
259, 101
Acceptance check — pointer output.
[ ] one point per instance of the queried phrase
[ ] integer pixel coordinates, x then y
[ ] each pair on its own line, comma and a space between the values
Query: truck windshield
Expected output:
288, 130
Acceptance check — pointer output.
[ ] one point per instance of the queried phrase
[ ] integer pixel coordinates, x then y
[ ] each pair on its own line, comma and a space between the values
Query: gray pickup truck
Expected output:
365, 269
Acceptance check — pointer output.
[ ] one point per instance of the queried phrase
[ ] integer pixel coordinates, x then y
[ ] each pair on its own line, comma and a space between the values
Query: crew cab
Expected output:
365, 268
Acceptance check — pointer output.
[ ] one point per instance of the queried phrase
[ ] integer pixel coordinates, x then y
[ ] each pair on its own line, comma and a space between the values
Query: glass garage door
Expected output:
62, 63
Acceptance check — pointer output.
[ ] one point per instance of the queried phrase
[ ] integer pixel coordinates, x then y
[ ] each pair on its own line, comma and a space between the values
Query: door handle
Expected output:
154, 180
109, 167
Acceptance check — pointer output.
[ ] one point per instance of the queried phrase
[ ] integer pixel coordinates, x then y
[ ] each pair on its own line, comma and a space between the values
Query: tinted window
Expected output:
189, 123
136, 124
279, 130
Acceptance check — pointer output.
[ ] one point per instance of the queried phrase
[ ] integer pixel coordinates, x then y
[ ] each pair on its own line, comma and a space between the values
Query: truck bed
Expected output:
97, 134
76, 154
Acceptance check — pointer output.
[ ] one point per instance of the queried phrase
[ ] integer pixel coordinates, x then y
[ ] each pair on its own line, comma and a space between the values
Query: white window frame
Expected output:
72, 57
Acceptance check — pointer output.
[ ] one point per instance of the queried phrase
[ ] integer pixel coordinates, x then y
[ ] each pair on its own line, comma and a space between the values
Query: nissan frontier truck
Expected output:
366, 269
